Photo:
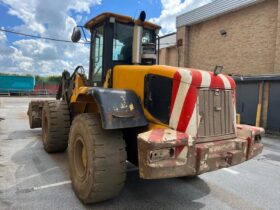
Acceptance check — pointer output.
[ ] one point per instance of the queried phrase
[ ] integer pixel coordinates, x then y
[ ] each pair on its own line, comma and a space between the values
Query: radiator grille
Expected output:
216, 115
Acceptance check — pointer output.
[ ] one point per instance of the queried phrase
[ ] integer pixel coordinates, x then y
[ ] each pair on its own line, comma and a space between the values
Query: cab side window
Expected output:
157, 99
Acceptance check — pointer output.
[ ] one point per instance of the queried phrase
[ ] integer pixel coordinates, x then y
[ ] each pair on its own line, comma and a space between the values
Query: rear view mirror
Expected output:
76, 34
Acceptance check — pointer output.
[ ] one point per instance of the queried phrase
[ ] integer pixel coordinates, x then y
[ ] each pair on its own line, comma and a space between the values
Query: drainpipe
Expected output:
259, 107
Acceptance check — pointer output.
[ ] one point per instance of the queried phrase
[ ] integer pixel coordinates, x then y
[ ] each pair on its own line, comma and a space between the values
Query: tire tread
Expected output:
109, 162
59, 126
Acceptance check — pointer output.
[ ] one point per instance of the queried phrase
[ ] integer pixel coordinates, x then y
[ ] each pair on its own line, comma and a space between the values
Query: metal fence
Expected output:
20, 92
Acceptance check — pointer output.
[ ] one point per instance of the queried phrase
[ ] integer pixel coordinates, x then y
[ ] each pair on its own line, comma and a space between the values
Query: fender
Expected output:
118, 108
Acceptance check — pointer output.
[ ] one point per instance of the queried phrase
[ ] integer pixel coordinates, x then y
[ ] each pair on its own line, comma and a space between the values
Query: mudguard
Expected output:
118, 108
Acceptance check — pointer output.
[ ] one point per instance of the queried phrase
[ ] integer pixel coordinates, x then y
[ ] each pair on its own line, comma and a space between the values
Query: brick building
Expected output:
243, 36
168, 51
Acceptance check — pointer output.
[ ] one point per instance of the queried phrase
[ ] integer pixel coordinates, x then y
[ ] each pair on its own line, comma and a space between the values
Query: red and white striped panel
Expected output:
161, 135
181, 141
249, 131
184, 101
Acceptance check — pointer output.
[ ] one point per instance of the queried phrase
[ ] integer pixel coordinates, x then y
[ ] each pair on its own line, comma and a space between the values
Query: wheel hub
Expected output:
80, 157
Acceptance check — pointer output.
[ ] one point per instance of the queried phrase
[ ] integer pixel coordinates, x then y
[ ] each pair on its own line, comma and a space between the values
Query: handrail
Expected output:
45, 92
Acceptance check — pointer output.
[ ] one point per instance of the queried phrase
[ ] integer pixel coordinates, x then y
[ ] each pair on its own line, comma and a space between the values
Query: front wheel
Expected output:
97, 159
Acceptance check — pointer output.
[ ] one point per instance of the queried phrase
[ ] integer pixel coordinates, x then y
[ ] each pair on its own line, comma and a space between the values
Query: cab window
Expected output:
122, 43
97, 53
148, 37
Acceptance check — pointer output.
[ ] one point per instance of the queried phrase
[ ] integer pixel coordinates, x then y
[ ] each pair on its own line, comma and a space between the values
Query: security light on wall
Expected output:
223, 32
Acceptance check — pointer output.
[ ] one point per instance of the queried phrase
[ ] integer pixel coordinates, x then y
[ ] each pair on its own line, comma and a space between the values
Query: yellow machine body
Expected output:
128, 77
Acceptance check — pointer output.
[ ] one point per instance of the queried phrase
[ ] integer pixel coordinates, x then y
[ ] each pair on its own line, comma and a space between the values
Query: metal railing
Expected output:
21, 92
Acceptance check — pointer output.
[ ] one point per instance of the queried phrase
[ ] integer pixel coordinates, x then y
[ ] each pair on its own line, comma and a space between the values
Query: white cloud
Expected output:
171, 9
84, 5
49, 19
25, 10
78, 19
14, 61
3, 37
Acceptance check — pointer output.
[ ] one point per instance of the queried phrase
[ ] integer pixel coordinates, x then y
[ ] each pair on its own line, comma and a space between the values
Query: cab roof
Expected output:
120, 18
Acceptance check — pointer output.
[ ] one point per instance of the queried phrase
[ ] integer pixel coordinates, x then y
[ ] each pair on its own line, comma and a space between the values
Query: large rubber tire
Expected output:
97, 159
35, 113
55, 126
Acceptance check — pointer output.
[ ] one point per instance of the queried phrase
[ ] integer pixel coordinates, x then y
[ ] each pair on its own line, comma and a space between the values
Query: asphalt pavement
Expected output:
32, 179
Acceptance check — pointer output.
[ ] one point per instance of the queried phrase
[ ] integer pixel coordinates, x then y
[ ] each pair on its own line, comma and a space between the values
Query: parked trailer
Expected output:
16, 84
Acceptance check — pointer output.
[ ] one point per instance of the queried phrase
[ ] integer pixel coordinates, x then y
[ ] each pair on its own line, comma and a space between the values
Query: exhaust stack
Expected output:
137, 39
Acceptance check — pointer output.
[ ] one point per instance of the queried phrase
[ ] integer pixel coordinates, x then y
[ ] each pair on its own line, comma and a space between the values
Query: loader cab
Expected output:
111, 44
119, 40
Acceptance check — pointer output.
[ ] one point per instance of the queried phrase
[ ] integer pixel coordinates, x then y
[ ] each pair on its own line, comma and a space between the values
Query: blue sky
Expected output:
56, 19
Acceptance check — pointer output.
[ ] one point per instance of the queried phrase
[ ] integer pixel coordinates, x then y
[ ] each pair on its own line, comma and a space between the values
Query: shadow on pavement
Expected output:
176, 193
23, 134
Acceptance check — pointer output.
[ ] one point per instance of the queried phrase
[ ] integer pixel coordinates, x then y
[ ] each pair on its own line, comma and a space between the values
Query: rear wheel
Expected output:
35, 113
55, 126
97, 159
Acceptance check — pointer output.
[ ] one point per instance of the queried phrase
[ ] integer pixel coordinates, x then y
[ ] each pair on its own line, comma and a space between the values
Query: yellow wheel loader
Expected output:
168, 121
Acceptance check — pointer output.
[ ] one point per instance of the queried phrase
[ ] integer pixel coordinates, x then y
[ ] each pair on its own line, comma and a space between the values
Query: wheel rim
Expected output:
80, 157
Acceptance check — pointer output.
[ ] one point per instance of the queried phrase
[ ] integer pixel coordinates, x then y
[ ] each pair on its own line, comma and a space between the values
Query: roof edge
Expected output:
121, 18
166, 35
212, 10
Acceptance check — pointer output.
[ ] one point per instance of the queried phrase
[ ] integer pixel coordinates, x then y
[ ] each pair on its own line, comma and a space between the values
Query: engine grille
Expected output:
216, 114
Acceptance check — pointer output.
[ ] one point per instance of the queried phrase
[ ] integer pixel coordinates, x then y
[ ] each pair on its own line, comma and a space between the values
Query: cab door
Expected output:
96, 56
101, 52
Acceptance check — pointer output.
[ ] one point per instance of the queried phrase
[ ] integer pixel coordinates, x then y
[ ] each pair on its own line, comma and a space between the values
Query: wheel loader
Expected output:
168, 121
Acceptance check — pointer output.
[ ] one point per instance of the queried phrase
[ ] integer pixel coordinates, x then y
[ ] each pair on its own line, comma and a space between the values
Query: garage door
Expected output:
273, 114
247, 102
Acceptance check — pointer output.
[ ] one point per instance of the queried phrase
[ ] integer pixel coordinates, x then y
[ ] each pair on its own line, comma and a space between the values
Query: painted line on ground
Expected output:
230, 171
38, 174
34, 143
21, 180
52, 185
